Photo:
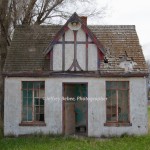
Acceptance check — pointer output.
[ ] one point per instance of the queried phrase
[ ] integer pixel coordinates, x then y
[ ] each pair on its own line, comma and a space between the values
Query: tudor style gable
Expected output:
75, 48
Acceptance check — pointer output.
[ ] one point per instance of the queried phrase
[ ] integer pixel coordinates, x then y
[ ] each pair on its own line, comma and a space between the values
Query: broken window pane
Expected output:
41, 93
25, 93
29, 113
30, 101
29, 93
117, 101
33, 106
30, 85
24, 85
36, 101
24, 114
123, 105
36, 93
24, 101
42, 85
36, 85
111, 105
41, 102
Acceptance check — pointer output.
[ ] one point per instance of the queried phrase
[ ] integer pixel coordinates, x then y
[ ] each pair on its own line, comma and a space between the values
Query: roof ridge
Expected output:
114, 26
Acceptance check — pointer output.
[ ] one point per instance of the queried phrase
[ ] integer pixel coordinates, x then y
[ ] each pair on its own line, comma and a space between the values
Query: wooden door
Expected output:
69, 118
75, 111
69, 110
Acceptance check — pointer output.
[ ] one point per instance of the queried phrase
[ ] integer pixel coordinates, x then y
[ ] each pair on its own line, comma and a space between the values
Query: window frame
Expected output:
117, 122
33, 122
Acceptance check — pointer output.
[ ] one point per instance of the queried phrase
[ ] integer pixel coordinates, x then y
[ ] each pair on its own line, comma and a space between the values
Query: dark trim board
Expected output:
96, 74
72, 42
63, 52
87, 51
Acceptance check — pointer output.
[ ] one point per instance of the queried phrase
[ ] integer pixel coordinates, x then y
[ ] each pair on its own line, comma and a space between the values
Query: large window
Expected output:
117, 105
32, 101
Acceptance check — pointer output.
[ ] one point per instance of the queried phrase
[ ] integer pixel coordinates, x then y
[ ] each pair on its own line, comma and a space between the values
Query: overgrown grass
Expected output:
49, 142
1, 129
69, 143
149, 119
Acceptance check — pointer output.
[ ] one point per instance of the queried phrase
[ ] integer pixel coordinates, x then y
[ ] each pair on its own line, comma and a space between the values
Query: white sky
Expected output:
130, 12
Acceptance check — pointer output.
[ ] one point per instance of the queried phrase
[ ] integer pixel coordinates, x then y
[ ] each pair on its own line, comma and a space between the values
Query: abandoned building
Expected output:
75, 79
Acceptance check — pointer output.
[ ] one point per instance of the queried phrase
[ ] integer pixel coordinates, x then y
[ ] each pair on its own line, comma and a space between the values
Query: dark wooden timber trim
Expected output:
75, 63
93, 37
117, 124
72, 42
51, 59
63, 52
73, 74
98, 63
55, 39
32, 124
75, 48
86, 53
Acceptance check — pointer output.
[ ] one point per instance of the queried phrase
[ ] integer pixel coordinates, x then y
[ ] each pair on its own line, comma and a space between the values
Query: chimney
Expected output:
84, 19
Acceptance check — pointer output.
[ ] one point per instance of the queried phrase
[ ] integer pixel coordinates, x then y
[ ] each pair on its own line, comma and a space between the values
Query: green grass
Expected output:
68, 143
49, 142
149, 119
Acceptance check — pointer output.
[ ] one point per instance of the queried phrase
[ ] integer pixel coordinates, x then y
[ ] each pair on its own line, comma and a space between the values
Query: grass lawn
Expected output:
41, 142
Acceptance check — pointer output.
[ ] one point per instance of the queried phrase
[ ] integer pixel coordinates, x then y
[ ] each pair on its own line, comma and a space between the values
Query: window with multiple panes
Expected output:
117, 104
33, 101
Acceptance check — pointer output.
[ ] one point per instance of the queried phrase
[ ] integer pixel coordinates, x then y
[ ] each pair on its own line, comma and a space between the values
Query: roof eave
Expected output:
74, 74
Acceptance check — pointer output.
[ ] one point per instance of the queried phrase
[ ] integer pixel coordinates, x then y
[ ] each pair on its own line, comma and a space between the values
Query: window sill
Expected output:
117, 124
32, 124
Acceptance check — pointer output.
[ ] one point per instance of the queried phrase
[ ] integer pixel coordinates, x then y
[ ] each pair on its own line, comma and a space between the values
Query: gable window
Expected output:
117, 104
33, 101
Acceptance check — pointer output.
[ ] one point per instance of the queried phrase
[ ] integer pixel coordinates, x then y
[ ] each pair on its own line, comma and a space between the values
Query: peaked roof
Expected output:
64, 28
25, 55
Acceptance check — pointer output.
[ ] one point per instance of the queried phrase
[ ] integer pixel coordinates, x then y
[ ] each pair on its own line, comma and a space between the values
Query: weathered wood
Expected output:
75, 49
75, 63
73, 74
86, 52
63, 52
72, 42
51, 59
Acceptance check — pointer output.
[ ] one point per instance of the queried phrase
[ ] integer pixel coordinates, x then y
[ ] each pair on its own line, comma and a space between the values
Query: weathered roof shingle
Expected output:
29, 42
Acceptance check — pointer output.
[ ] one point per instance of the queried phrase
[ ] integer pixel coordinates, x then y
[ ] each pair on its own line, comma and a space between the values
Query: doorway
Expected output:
75, 107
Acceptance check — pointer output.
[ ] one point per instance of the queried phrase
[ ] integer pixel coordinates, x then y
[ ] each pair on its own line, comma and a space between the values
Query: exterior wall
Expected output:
69, 52
138, 110
96, 109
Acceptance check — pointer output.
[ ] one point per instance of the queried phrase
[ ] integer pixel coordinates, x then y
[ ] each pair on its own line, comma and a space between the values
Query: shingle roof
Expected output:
26, 50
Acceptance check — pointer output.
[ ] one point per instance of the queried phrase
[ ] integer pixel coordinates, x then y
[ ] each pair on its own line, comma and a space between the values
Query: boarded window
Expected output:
33, 101
117, 105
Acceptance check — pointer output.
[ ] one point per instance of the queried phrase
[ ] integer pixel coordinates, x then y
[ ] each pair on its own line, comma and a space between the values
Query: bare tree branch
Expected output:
27, 17
45, 12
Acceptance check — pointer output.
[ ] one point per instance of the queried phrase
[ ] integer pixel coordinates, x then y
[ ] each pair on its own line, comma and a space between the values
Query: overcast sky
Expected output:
130, 12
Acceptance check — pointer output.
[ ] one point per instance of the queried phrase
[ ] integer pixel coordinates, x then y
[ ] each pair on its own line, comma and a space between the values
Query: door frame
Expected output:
63, 106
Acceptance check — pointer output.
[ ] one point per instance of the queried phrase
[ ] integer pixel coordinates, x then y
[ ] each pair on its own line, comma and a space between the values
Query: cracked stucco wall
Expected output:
96, 109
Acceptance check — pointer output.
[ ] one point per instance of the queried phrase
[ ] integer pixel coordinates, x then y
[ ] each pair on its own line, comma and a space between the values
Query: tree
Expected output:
36, 12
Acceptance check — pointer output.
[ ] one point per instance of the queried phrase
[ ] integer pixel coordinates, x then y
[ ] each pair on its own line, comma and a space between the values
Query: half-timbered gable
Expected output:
75, 48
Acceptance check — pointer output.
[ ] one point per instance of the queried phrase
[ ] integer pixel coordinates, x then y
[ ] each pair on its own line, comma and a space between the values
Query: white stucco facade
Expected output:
96, 109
